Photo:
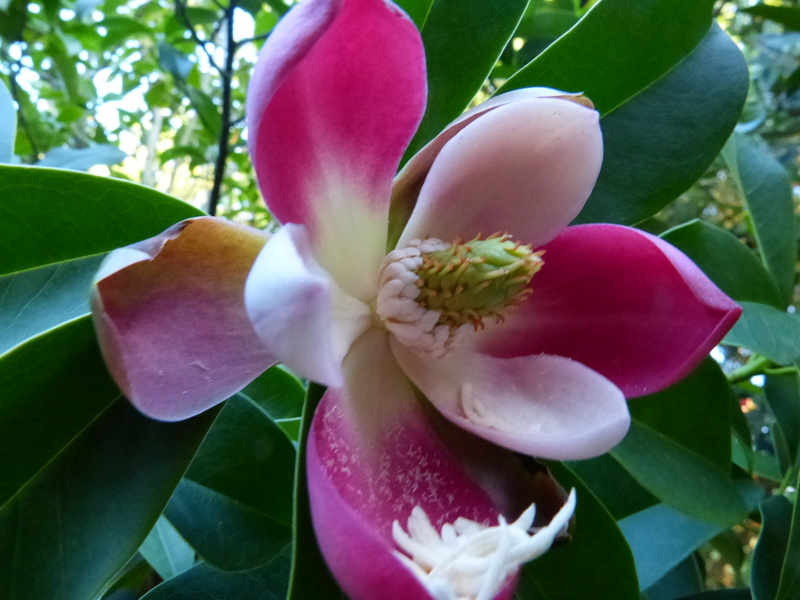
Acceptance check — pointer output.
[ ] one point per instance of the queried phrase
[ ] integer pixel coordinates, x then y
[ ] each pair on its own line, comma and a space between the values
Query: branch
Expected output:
180, 12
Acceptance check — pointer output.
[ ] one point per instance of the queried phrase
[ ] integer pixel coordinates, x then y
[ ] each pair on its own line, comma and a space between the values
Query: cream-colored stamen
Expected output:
470, 561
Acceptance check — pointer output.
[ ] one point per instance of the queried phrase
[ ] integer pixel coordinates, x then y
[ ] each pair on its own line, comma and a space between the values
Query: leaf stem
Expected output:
757, 365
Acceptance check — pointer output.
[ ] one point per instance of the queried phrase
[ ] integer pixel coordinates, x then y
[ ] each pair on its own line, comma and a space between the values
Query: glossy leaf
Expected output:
72, 215
678, 476
684, 579
86, 476
768, 331
715, 251
678, 536
416, 9
789, 587
463, 40
280, 396
770, 550
606, 569
693, 412
36, 300
166, 551
782, 392
8, 124
310, 578
267, 582
659, 143
242, 477
767, 194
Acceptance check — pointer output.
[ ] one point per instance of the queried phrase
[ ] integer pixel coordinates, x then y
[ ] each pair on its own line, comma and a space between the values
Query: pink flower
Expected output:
384, 289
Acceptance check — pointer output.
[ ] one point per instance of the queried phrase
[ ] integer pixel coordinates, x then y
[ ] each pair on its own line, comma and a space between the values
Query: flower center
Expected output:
470, 561
432, 292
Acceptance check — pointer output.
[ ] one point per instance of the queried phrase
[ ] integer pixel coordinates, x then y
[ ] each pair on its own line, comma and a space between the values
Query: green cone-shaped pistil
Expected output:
470, 281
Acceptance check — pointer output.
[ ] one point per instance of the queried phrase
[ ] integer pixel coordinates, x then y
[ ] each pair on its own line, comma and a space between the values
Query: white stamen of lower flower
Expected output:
412, 324
470, 561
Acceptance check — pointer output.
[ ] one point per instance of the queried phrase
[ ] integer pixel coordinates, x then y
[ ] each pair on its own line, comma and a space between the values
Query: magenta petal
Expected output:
337, 93
622, 302
525, 168
170, 317
544, 406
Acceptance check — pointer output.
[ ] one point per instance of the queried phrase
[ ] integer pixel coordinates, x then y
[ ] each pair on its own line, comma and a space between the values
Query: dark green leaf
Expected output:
678, 476
768, 331
768, 556
694, 413
614, 487
8, 124
789, 588
768, 197
310, 578
242, 477
206, 110
36, 300
788, 16
661, 537
659, 143
619, 49
80, 159
732, 594
682, 580
606, 569
71, 215
203, 582
463, 39
174, 62
782, 393
85, 476
715, 250
280, 395
416, 9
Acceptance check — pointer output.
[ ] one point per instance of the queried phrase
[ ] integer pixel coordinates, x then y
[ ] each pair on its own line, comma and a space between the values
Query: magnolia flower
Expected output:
457, 320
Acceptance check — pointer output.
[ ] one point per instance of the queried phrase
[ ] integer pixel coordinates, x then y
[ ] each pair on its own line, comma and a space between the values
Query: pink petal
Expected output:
337, 93
541, 405
291, 302
373, 455
171, 321
525, 168
622, 302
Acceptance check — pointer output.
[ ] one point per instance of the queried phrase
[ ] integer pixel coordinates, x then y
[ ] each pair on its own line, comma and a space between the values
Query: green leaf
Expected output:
684, 579
85, 476
661, 538
280, 395
203, 582
416, 9
36, 300
789, 587
166, 551
619, 49
70, 215
714, 250
770, 550
463, 40
174, 61
243, 476
768, 197
693, 412
310, 578
678, 476
782, 392
788, 16
8, 124
730, 594
659, 143
606, 565
768, 331
206, 110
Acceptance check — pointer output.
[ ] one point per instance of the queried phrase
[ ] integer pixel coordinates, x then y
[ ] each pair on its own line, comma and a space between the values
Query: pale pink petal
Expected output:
545, 406
409, 180
624, 303
337, 93
525, 168
170, 317
302, 317
373, 455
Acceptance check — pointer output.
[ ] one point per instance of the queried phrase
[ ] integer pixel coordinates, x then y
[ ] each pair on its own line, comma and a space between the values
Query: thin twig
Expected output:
180, 12
224, 135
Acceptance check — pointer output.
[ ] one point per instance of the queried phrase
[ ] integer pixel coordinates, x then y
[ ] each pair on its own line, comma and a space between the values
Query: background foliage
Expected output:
97, 502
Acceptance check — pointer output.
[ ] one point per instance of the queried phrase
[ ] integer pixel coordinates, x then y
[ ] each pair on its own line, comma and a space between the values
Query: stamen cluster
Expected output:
470, 561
